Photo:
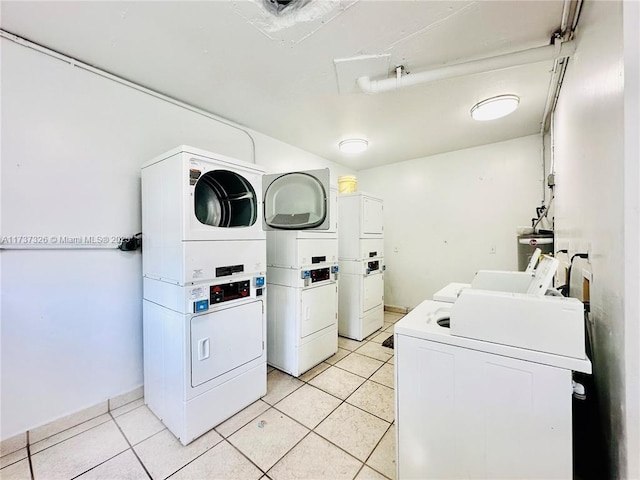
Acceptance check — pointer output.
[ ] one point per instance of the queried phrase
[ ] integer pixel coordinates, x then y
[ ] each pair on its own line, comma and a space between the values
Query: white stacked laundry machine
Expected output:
302, 274
361, 262
204, 267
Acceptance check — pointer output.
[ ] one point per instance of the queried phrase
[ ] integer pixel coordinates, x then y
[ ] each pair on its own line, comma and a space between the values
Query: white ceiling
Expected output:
276, 74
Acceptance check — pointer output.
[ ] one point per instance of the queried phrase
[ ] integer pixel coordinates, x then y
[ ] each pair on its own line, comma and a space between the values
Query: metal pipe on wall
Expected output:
514, 59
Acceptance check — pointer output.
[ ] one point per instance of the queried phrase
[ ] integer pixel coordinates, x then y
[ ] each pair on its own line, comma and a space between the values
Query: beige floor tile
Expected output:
375, 350
13, 457
386, 326
16, 471
337, 382
279, 385
367, 473
71, 432
116, 412
383, 458
163, 454
13, 444
339, 355
122, 467
392, 360
309, 374
373, 335
265, 443
392, 317
315, 458
385, 375
348, 344
359, 364
139, 424
241, 418
221, 462
67, 422
78, 454
270, 369
308, 405
380, 337
353, 430
375, 399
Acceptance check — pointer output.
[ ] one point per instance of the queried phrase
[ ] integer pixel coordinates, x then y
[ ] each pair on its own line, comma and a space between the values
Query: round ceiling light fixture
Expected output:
495, 107
353, 145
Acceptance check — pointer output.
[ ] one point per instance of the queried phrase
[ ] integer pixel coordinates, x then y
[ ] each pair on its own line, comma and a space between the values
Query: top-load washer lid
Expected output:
225, 199
296, 200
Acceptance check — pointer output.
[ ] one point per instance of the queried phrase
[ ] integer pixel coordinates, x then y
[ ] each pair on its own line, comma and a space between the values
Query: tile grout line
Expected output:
130, 446
29, 457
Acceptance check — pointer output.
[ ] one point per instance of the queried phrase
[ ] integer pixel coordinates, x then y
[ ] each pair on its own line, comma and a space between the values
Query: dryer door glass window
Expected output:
296, 200
225, 199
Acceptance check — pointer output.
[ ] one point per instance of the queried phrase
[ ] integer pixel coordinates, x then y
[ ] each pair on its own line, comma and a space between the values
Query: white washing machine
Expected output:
204, 268
490, 397
190, 198
361, 262
302, 274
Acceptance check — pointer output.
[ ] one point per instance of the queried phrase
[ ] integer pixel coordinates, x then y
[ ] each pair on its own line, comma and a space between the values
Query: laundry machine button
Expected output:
201, 305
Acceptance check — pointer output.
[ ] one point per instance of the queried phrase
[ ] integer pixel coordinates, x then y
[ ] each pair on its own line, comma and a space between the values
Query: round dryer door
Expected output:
225, 199
296, 200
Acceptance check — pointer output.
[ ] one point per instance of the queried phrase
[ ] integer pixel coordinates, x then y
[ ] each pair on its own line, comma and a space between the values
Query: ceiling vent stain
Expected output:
284, 6
290, 21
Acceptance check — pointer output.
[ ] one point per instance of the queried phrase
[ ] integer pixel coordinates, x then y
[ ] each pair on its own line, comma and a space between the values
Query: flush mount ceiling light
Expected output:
495, 107
353, 145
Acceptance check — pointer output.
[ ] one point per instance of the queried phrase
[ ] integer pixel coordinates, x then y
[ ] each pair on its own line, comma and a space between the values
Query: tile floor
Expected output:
334, 422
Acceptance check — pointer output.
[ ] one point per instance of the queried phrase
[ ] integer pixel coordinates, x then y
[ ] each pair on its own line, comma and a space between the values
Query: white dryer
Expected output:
192, 197
204, 351
302, 274
204, 268
361, 255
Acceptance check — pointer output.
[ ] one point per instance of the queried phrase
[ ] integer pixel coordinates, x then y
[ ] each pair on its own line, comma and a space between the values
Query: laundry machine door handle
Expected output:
204, 348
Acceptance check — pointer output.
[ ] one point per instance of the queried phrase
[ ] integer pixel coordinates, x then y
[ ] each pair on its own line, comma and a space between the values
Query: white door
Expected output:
224, 340
297, 200
319, 307
371, 215
372, 290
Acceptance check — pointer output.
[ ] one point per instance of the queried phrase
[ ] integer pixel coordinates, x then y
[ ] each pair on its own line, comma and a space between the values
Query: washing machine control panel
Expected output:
373, 266
229, 291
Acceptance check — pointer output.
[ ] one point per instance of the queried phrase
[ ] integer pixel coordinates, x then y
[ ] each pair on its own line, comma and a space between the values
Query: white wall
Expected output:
72, 146
631, 22
592, 189
444, 214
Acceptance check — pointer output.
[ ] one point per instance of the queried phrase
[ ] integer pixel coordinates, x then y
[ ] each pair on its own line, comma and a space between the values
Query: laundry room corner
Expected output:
73, 142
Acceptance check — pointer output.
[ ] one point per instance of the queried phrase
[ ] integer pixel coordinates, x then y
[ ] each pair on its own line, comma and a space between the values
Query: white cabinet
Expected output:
465, 413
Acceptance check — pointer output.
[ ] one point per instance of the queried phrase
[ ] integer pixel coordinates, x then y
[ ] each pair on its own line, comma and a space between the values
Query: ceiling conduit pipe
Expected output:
523, 57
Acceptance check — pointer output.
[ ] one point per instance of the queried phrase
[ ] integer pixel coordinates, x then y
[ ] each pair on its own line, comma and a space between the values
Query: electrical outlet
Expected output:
492, 250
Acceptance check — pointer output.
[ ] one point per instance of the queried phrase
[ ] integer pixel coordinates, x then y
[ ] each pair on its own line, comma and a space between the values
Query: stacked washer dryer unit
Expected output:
302, 271
361, 255
204, 267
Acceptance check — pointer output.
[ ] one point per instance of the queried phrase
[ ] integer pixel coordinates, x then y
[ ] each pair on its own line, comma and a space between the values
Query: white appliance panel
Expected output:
287, 348
371, 216
372, 291
318, 308
469, 414
285, 249
360, 219
225, 339
356, 292
189, 411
